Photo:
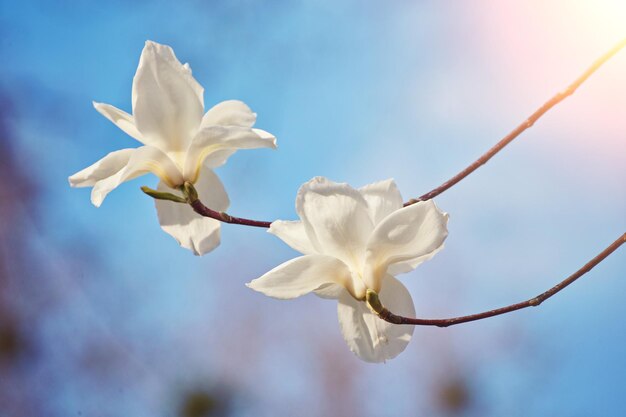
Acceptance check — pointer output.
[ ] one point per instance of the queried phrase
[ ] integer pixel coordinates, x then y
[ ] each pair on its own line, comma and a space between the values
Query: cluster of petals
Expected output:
180, 143
353, 240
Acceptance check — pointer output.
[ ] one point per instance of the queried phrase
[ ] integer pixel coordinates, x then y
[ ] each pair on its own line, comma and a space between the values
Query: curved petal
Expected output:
120, 118
104, 168
265, 135
293, 234
369, 337
383, 198
167, 101
143, 160
411, 232
330, 291
409, 265
229, 113
211, 190
216, 139
336, 220
192, 231
218, 158
300, 276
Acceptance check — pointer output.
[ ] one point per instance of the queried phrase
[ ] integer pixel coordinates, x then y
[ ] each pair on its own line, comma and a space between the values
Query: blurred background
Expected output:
103, 314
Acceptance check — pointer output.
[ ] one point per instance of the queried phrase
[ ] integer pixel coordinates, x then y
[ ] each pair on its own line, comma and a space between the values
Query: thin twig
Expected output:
521, 128
533, 302
203, 210
226, 218
191, 196
384, 313
223, 217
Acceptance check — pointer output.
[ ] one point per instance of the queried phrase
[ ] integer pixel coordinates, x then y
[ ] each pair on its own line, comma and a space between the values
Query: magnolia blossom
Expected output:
180, 143
352, 241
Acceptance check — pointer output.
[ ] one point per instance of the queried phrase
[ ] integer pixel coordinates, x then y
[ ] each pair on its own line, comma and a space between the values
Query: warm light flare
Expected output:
606, 19
543, 46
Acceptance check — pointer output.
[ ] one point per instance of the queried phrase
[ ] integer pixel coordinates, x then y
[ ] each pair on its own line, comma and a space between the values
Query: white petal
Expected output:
218, 158
143, 160
214, 140
293, 234
409, 265
229, 113
369, 337
104, 168
336, 219
300, 276
330, 291
383, 198
120, 118
192, 231
167, 101
412, 232
265, 135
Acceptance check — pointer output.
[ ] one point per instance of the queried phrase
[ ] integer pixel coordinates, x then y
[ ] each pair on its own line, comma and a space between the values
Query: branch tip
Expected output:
526, 124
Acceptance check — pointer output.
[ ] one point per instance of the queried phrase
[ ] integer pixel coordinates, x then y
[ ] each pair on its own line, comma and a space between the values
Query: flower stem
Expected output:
192, 199
386, 315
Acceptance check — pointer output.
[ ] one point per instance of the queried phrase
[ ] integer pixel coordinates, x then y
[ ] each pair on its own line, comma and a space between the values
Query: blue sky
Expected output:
357, 92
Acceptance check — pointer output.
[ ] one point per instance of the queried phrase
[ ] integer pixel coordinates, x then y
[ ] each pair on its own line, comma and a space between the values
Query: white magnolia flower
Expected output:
180, 143
354, 240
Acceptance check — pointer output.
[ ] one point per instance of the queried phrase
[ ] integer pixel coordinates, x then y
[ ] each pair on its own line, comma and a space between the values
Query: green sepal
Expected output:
161, 195
190, 192
373, 301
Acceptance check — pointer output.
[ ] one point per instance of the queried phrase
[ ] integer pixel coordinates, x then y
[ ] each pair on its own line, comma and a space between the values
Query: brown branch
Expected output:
191, 198
521, 128
372, 298
191, 195
226, 218
203, 210
386, 315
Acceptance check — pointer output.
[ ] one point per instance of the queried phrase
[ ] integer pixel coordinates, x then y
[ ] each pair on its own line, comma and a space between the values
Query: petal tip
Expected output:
97, 196
156, 48
204, 247
193, 248
73, 181
253, 285
97, 202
